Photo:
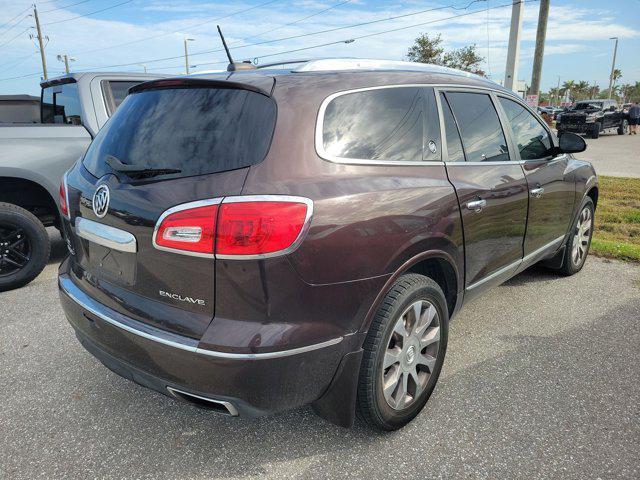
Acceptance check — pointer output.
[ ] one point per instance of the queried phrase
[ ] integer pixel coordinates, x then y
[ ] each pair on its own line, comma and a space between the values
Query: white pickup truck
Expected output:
34, 157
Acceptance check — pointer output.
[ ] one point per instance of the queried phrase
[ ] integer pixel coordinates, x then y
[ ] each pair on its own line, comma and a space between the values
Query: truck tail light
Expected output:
63, 199
237, 227
188, 230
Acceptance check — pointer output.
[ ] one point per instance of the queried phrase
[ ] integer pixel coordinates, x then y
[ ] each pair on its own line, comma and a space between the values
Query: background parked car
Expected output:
33, 159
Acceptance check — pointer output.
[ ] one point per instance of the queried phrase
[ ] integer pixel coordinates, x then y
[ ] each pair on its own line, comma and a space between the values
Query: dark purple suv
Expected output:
259, 240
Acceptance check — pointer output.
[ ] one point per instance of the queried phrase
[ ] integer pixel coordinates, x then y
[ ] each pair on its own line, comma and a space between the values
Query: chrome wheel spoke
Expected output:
431, 336
391, 357
426, 360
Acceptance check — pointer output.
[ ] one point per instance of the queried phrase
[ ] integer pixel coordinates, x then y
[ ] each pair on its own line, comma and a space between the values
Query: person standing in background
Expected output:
634, 118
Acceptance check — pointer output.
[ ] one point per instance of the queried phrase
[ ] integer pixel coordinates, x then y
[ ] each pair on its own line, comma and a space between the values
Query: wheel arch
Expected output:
436, 264
31, 196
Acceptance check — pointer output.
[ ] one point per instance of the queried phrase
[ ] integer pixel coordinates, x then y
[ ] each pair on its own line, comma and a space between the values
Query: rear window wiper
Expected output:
137, 172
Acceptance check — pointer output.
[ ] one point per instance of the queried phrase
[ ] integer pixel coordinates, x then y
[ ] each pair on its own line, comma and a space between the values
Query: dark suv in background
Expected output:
256, 241
593, 117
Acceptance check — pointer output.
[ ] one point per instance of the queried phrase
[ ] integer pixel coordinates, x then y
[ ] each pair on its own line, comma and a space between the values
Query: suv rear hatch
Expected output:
170, 142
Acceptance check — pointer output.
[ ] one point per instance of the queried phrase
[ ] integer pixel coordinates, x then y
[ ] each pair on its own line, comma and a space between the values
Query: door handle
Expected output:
477, 205
537, 192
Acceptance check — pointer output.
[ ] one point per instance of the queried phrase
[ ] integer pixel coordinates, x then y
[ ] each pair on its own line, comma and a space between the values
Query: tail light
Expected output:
235, 228
64, 199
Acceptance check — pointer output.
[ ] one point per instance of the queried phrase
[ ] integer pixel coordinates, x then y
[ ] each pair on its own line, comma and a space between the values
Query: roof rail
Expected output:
337, 64
285, 62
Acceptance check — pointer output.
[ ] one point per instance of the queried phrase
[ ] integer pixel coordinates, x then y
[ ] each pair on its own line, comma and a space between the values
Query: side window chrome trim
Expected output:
437, 87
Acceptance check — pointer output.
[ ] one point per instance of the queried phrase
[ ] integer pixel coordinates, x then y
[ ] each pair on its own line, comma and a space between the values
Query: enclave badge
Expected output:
101, 201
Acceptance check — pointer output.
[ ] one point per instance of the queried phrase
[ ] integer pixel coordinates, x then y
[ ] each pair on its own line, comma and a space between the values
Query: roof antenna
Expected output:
233, 66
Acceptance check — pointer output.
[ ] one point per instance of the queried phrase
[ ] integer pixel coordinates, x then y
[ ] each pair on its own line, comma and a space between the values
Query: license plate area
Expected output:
112, 265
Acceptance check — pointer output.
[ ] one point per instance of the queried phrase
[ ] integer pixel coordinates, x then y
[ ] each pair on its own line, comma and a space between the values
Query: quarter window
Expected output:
382, 124
532, 138
479, 125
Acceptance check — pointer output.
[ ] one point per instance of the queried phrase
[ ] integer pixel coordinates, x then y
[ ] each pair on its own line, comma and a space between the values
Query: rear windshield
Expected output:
194, 130
61, 104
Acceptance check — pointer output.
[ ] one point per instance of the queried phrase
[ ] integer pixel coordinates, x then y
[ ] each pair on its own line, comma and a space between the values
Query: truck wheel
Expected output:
579, 241
403, 353
623, 129
595, 131
24, 246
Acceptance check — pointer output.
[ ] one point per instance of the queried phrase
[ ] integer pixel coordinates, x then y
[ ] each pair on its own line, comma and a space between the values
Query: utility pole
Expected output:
513, 53
558, 92
66, 59
541, 36
613, 65
40, 42
186, 54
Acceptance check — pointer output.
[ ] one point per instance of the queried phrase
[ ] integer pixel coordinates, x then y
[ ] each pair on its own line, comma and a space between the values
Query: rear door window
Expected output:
455, 151
480, 129
194, 130
532, 138
385, 124
61, 105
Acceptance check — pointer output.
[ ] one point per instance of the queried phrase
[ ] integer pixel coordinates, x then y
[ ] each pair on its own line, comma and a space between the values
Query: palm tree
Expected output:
582, 90
567, 88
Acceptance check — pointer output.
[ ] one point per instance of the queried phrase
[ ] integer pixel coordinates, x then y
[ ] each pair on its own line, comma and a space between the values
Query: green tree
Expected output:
582, 90
430, 50
426, 50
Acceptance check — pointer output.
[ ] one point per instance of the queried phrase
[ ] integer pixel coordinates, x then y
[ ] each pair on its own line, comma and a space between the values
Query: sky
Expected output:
129, 35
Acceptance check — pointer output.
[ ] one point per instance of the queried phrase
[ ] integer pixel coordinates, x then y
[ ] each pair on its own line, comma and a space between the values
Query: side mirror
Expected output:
571, 143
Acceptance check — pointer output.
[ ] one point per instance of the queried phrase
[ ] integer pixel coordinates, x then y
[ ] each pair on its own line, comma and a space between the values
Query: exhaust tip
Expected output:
218, 406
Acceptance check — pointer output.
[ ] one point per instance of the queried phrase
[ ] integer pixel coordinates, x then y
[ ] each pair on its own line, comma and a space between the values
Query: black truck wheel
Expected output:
623, 129
595, 130
24, 246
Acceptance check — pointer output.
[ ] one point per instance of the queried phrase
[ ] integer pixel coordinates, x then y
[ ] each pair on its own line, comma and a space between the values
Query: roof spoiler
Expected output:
195, 82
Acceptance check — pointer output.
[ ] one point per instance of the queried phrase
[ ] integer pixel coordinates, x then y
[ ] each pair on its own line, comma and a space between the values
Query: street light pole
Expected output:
613, 66
186, 54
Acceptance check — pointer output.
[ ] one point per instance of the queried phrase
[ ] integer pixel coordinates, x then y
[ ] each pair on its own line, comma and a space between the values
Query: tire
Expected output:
24, 246
623, 129
595, 131
428, 345
570, 264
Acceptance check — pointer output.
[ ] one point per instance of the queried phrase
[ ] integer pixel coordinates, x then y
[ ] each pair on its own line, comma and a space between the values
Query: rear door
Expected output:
202, 139
551, 185
491, 187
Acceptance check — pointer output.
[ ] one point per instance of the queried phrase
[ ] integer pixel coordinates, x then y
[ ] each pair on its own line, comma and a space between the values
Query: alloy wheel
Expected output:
411, 354
582, 236
15, 249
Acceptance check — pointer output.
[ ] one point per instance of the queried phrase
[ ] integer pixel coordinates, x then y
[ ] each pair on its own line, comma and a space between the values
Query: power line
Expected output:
349, 39
379, 33
292, 37
296, 21
88, 14
8, 22
66, 6
13, 38
177, 31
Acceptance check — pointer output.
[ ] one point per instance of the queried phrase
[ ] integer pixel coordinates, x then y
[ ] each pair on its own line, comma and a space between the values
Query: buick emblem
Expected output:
101, 201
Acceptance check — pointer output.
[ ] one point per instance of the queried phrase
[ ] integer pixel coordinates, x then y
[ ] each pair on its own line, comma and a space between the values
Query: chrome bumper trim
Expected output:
166, 338
105, 235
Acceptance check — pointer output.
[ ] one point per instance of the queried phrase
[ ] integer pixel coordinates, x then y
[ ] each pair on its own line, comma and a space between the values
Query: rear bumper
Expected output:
252, 384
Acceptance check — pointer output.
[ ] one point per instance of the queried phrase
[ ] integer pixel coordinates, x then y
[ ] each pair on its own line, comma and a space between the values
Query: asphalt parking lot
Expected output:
613, 154
540, 381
